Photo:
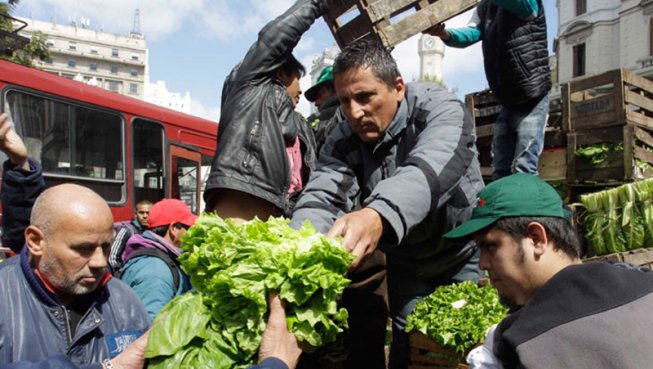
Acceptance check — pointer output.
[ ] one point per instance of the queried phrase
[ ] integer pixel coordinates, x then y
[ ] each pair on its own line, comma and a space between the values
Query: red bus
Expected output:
125, 149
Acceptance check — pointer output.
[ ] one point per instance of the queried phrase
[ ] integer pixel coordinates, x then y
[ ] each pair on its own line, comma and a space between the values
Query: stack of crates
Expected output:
485, 108
613, 107
388, 21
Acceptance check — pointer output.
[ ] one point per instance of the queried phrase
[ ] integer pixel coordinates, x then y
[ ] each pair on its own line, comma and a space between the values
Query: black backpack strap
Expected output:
174, 268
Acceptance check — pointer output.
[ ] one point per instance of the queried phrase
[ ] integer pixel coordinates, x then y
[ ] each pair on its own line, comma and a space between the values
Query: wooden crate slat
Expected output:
639, 119
433, 14
639, 100
609, 77
643, 136
609, 118
381, 9
597, 105
552, 165
637, 81
642, 154
629, 151
338, 8
354, 29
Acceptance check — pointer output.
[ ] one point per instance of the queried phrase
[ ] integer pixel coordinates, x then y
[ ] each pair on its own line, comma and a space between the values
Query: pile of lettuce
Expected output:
233, 269
457, 316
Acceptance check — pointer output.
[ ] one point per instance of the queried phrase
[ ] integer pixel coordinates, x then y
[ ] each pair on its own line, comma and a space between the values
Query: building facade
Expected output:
157, 93
110, 61
595, 36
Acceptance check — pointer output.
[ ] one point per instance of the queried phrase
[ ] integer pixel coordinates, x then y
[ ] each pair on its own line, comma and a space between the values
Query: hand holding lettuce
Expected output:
233, 268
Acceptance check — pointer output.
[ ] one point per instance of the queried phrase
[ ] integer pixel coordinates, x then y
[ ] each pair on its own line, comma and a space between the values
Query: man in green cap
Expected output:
564, 313
323, 95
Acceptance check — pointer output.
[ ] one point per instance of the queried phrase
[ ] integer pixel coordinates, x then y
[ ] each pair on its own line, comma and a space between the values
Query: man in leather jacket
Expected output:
265, 149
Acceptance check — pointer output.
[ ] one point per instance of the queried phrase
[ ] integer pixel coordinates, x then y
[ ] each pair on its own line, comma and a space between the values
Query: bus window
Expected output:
148, 144
185, 179
73, 143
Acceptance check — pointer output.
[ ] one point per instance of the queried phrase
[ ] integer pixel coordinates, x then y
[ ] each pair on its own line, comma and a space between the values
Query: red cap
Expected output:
168, 211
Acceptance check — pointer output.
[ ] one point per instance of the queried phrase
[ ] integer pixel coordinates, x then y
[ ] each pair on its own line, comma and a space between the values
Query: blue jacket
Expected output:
33, 323
150, 276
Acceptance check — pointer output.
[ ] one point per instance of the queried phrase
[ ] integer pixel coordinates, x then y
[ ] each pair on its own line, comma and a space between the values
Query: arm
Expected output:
459, 37
278, 38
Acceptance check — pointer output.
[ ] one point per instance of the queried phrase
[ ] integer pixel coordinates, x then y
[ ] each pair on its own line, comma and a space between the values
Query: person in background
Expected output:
265, 149
22, 183
323, 95
516, 58
124, 230
150, 260
56, 297
401, 172
563, 313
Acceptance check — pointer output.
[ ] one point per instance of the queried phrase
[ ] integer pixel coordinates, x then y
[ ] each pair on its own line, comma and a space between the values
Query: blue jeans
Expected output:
405, 289
519, 138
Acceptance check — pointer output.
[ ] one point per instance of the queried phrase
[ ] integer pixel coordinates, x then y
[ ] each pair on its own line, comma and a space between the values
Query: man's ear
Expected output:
538, 236
400, 88
35, 240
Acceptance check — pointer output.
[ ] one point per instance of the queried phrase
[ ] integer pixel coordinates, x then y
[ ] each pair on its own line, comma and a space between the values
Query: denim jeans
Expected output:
405, 289
519, 138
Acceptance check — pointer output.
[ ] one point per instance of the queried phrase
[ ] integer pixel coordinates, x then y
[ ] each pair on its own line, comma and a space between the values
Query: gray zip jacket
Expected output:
422, 177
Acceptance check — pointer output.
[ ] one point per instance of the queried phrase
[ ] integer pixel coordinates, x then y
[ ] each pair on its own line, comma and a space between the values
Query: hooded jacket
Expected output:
34, 325
257, 120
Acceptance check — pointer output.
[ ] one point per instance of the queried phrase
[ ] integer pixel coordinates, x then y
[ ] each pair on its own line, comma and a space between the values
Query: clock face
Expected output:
429, 42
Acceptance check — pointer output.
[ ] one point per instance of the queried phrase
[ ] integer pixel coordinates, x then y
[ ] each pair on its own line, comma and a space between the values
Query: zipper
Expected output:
68, 328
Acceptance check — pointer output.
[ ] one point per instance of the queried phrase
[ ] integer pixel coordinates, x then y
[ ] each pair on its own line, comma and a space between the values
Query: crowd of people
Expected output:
389, 166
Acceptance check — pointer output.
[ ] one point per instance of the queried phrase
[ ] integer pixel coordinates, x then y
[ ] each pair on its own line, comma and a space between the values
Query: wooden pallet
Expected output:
428, 354
388, 21
617, 97
640, 257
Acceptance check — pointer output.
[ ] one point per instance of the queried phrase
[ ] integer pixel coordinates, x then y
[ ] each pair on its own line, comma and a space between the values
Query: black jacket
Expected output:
515, 54
257, 120
325, 120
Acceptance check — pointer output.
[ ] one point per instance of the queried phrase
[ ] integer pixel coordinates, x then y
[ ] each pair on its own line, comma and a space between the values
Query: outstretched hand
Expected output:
438, 31
133, 357
361, 231
277, 341
11, 144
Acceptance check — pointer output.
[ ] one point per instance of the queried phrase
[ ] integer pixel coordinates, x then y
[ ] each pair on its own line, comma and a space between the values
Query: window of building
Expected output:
48, 61
114, 69
149, 144
73, 143
134, 72
133, 89
94, 50
72, 45
135, 57
71, 63
114, 86
114, 53
579, 60
93, 66
49, 43
581, 7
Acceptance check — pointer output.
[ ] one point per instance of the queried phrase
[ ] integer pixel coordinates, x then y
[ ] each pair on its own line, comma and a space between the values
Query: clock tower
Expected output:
431, 52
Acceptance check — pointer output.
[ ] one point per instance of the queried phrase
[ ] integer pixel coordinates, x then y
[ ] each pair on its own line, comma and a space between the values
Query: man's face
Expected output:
75, 253
142, 213
368, 103
323, 95
291, 82
505, 261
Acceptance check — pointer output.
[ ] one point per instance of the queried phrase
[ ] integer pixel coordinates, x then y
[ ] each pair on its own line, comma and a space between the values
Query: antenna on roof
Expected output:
136, 29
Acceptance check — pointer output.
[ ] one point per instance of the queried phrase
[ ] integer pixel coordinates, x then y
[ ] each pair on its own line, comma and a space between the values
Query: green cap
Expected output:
518, 195
326, 76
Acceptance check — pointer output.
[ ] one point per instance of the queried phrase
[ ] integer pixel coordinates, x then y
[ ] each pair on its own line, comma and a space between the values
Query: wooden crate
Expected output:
428, 354
640, 257
619, 166
617, 97
388, 21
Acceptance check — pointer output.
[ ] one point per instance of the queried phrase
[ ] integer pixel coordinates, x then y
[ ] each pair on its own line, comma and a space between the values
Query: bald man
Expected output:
56, 297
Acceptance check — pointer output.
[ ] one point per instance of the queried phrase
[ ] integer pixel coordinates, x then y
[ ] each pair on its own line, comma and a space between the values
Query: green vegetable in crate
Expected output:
598, 153
233, 268
594, 223
457, 316
631, 218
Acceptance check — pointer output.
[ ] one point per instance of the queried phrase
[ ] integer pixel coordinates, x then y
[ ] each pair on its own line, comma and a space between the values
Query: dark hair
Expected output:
162, 230
558, 231
291, 65
362, 54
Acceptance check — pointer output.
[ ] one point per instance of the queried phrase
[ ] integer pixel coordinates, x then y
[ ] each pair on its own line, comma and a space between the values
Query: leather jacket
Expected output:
258, 120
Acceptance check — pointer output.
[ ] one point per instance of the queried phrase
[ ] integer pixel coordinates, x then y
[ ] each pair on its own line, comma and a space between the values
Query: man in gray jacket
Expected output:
400, 173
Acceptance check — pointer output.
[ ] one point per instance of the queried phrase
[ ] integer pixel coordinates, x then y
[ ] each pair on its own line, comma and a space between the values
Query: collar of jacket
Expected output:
138, 225
150, 240
395, 129
37, 285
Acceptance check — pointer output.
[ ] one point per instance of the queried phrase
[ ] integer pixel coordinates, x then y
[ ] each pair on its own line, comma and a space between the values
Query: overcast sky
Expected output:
193, 44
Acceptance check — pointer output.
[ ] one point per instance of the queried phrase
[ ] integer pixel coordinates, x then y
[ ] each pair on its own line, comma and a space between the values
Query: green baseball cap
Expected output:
326, 76
517, 195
